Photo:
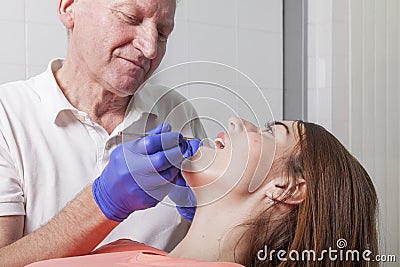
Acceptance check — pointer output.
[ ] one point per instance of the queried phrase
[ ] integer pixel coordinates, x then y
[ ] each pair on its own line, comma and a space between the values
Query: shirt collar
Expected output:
145, 100
50, 94
54, 100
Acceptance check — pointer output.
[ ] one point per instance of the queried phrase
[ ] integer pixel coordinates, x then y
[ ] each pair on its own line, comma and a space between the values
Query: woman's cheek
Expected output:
256, 147
263, 156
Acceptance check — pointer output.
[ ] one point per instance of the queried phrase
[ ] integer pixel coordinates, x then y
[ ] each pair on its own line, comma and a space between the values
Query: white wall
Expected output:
354, 91
374, 99
31, 35
246, 35
328, 72
320, 56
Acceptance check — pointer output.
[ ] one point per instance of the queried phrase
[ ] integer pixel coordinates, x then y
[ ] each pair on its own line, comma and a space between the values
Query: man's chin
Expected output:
128, 88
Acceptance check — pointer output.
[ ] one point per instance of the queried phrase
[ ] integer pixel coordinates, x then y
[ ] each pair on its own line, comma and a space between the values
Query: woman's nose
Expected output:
235, 124
238, 124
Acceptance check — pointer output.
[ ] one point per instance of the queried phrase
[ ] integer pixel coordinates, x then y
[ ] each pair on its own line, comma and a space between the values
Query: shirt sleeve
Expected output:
11, 193
194, 127
197, 128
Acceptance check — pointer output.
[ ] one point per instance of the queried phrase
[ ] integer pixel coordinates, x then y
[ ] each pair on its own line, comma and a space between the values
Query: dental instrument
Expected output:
146, 134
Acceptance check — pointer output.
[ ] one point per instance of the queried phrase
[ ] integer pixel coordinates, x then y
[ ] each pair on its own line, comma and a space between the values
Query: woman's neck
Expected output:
214, 236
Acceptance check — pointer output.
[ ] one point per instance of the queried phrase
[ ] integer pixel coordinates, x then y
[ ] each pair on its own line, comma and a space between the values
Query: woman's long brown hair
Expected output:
341, 204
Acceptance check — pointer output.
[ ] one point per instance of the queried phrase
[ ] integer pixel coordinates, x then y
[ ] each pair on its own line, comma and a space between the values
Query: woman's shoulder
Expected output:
125, 252
150, 256
122, 245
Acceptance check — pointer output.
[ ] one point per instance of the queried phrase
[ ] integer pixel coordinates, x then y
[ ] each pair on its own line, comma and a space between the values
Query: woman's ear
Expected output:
299, 193
281, 190
65, 13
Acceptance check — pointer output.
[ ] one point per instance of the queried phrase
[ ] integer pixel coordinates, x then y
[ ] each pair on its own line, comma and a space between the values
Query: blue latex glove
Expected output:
140, 173
182, 195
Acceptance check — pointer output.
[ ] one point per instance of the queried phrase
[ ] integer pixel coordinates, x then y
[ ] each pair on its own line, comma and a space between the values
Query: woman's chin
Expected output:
201, 161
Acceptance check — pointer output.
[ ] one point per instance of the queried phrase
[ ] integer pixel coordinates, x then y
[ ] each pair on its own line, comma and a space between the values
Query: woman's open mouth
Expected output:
219, 141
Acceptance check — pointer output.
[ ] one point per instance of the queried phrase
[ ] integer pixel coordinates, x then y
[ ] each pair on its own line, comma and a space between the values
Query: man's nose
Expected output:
146, 41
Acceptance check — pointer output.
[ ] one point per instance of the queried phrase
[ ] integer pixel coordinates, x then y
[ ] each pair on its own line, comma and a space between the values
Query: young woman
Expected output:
289, 194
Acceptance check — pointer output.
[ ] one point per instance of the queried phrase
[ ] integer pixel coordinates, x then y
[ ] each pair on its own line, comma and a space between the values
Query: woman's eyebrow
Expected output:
282, 124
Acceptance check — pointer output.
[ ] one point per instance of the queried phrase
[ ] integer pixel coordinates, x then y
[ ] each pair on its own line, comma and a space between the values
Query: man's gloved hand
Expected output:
192, 146
140, 173
182, 195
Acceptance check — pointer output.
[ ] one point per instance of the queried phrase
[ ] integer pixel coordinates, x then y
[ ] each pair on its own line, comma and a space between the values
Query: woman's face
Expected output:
241, 162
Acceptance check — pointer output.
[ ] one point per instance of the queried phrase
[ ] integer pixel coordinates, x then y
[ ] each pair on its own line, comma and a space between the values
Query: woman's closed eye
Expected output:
269, 128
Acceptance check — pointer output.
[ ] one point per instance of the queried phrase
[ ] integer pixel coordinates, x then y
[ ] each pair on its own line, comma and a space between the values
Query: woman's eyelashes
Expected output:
269, 128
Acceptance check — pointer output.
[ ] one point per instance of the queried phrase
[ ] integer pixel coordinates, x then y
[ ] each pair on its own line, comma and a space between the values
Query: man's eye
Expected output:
131, 19
162, 37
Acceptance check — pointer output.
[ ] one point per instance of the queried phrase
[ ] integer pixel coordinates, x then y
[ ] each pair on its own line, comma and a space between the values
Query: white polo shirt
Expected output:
50, 151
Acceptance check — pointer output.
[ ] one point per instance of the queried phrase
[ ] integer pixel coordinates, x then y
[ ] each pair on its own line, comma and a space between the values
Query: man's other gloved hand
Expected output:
182, 195
191, 148
140, 173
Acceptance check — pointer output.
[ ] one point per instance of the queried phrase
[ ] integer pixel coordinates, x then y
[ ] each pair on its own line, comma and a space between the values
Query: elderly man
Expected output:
58, 129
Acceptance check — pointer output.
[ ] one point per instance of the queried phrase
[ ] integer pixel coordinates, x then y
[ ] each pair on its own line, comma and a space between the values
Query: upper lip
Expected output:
221, 135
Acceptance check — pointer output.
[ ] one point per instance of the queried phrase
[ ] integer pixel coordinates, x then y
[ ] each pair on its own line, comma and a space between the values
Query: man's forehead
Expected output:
145, 4
149, 8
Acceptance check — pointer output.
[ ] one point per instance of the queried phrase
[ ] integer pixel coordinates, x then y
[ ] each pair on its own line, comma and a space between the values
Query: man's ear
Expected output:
283, 190
65, 13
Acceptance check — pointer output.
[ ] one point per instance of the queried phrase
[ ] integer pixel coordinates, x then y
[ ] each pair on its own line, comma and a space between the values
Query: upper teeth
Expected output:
219, 142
